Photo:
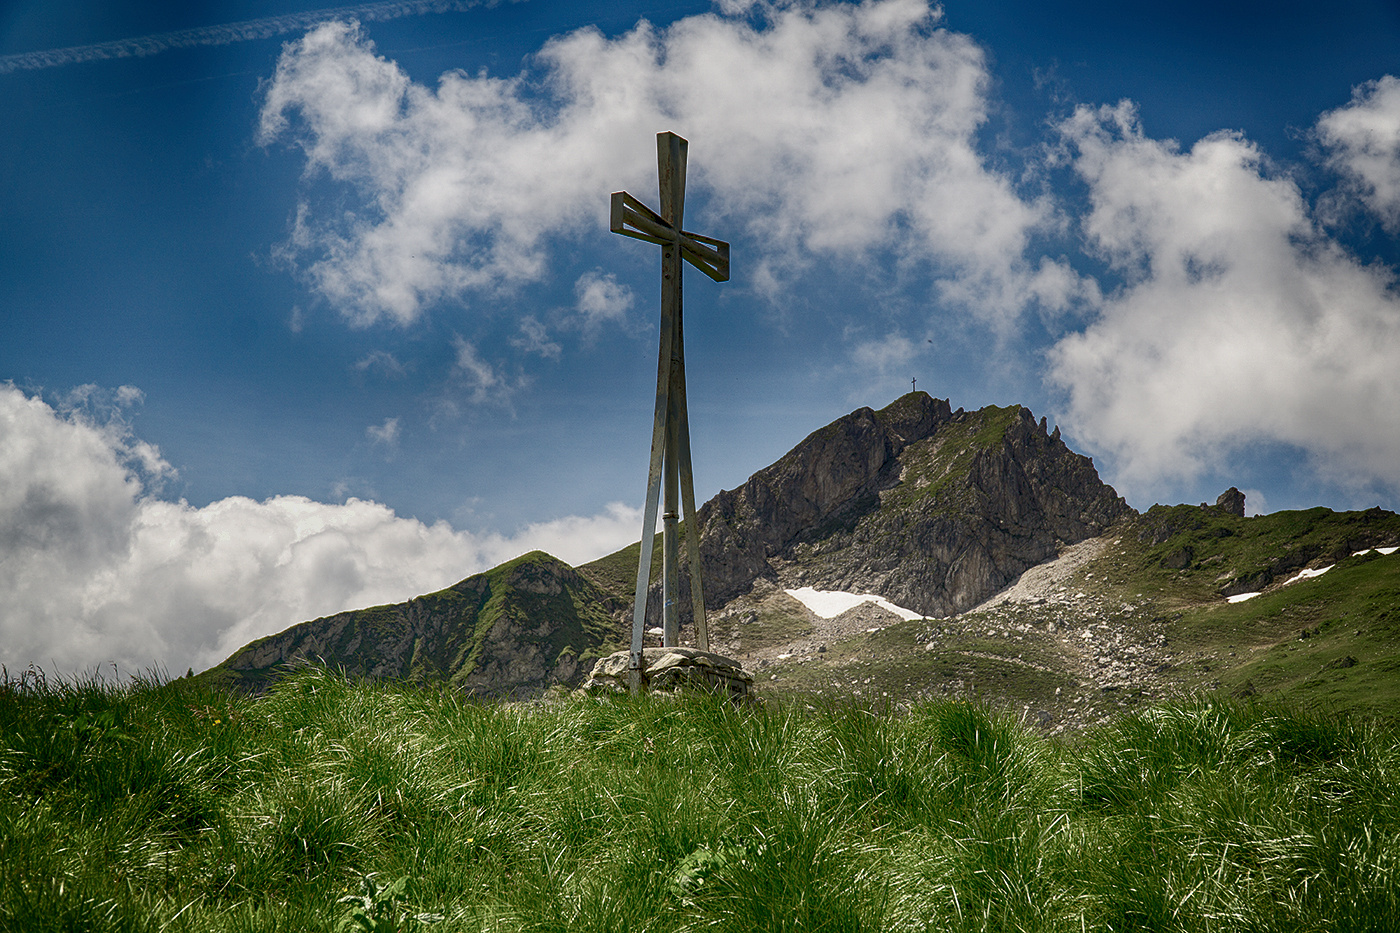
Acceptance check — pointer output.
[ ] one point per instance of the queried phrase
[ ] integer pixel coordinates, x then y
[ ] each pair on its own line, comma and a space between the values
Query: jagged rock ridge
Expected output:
933, 509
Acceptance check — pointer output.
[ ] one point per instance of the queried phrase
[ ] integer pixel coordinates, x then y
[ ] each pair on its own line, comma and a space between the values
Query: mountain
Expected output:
511, 631
1038, 587
931, 508
1174, 602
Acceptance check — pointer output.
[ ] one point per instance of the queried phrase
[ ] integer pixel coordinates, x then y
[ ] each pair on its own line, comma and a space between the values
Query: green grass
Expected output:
1331, 641
328, 803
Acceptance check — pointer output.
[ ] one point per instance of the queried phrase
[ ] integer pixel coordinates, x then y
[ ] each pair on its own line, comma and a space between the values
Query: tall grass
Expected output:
328, 804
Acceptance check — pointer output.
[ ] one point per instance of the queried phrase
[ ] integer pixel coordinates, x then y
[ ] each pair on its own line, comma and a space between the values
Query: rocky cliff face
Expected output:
933, 509
510, 631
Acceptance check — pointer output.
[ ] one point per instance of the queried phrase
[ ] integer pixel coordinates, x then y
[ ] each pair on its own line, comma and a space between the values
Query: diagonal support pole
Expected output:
687, 482
658, 447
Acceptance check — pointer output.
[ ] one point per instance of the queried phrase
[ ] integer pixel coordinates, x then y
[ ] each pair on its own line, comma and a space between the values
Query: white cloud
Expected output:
828, 131
386, 434
1238, 320
893, 352
382, 362
534, 338
1364, 142
485, 381
97, 570
601, 299
1255, 502
575, 539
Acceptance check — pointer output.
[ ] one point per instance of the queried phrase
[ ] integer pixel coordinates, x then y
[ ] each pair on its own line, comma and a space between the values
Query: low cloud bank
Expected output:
99, 570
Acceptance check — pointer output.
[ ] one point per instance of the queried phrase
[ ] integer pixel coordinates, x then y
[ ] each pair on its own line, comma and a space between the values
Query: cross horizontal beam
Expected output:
631, 217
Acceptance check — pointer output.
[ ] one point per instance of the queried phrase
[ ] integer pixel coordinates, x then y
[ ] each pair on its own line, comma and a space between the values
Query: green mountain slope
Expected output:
509, 631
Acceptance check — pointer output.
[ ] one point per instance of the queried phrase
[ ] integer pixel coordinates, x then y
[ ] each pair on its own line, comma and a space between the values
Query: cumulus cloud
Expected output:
1238, 319
863, 137
97, 570
601, 299
575, 539
1363, 139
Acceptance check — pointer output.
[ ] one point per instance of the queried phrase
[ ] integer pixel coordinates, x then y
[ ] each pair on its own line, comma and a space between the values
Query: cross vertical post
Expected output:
670, 161
670, 439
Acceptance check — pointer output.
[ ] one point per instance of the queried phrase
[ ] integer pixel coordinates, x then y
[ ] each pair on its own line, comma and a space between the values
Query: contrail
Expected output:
232, 32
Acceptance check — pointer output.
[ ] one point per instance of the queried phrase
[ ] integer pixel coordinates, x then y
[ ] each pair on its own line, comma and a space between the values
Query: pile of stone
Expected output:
671, 670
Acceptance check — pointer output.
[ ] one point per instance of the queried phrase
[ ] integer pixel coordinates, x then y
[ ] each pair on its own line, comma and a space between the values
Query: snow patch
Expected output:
831, 603
1306, 574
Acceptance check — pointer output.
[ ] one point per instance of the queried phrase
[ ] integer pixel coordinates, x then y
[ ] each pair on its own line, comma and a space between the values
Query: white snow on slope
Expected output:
1306, 574
831, 603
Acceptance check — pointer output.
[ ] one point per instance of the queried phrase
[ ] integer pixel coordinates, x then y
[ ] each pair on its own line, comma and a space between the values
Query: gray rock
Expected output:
1232, 501
672, 670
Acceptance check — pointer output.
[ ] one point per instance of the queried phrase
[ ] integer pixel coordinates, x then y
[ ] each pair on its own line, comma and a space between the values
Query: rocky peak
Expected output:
1231, 501
931, 508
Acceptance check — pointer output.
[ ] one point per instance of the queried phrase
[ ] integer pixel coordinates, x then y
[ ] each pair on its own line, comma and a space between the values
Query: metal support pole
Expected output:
692, 525
670, 554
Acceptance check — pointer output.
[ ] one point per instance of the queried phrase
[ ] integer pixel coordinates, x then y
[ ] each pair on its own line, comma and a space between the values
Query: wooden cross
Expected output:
670, 433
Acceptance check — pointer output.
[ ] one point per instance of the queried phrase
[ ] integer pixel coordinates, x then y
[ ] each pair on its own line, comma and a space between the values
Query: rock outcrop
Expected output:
671, 670
931, 508
1231, 501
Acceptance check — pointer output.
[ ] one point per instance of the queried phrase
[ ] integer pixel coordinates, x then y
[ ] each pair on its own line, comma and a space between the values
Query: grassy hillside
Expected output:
615, 574
1331, 640
327, 804
526, 622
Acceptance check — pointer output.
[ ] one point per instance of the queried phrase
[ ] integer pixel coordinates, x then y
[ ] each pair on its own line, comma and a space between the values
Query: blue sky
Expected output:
321, 310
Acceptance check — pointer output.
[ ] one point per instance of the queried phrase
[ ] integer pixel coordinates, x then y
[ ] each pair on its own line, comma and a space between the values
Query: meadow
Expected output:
328, 804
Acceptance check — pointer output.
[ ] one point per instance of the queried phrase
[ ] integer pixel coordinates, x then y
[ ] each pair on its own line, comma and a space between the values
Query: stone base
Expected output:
671, 670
